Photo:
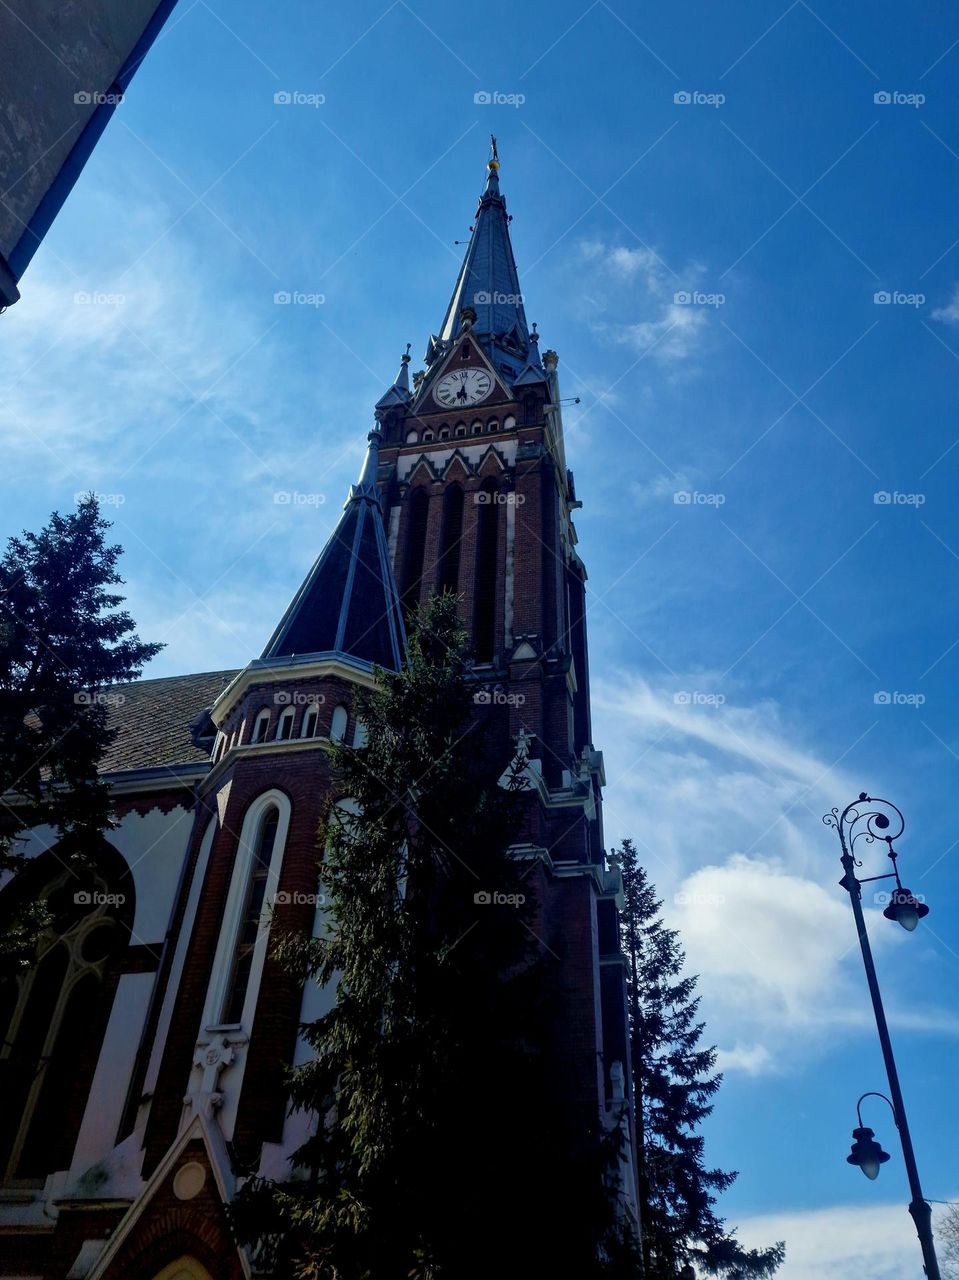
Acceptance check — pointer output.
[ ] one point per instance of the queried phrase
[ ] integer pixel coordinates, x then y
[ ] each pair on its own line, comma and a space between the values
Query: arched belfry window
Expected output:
310, 717
487, 546
260, 726
244, 930
284, 726
417, 515
53, 1015
338, 724
452, 536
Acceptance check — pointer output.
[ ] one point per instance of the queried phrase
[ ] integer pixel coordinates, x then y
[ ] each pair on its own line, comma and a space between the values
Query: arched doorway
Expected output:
184, 1268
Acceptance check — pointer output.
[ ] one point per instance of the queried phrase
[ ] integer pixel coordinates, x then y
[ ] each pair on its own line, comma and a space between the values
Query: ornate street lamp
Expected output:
867, 820
866, 1151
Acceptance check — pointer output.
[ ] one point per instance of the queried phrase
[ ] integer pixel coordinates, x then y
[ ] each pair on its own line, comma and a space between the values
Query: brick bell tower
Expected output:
464, 487
478, 500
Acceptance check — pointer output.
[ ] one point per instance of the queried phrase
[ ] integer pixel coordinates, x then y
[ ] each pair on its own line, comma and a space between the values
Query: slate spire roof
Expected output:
398, 395
488, 281
348, 605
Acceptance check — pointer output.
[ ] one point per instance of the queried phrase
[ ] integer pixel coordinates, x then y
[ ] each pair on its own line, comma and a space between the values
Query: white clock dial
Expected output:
463, 387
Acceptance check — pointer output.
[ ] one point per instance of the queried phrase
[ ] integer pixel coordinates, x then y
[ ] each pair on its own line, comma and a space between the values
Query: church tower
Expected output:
464, 488
479, 501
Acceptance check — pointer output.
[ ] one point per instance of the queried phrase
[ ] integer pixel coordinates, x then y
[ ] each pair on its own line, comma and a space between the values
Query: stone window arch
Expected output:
284, 726
244, 930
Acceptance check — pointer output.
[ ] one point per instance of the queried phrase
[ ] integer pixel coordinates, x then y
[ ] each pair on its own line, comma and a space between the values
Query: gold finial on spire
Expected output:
494, 154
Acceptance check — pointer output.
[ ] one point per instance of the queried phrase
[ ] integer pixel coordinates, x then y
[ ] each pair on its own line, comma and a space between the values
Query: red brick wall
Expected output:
171, 1228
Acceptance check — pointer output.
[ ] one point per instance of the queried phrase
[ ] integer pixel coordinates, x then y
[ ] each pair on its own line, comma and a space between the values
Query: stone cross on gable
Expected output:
212, 1057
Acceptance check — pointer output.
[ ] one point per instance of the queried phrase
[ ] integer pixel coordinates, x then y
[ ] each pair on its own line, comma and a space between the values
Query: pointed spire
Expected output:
533, 370
398, 393
348, 606
366, 487
488, 282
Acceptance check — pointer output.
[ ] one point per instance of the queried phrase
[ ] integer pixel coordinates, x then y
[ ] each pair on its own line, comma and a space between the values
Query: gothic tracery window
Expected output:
53, 1016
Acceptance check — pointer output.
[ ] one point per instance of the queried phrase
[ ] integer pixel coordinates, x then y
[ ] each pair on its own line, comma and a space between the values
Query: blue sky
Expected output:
739, 639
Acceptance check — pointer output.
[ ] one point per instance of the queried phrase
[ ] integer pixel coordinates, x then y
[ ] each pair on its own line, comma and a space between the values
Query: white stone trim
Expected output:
272, 670
179, 957
235, 903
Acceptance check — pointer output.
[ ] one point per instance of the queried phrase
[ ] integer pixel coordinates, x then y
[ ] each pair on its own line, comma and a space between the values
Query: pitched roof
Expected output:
153, 720
348, 604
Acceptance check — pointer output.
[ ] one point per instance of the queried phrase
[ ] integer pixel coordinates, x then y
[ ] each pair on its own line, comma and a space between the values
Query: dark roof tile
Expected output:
153, 720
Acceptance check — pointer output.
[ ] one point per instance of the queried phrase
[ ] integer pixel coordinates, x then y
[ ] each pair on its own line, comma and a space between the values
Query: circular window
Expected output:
189, 1181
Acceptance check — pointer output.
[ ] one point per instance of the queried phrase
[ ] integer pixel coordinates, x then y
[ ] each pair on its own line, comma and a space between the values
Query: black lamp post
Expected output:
868, 819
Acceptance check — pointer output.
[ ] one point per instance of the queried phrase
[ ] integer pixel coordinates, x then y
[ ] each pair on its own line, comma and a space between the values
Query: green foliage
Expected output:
445, 1149
63, 641
675, 1084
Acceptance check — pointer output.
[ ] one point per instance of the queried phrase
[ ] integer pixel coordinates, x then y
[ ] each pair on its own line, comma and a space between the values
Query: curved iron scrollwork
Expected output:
867, 819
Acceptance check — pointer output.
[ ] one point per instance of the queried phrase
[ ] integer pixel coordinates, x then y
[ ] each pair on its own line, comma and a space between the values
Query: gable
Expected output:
180, 1218
465, 352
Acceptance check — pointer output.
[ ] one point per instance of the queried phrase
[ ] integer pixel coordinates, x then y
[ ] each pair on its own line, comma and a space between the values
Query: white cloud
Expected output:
625, 281
626, 264
752, 1060
877, 1241
725, 806
949, 314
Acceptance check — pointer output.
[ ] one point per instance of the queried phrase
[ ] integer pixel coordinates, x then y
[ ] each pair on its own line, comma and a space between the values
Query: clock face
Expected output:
463, 387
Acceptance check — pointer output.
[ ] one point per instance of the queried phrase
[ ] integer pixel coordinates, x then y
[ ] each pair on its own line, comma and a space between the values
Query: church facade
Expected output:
144, 1054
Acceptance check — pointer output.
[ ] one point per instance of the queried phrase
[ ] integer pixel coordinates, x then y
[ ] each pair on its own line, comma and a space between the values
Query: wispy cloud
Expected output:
725, 804
625, 283
877, 1241
949, 314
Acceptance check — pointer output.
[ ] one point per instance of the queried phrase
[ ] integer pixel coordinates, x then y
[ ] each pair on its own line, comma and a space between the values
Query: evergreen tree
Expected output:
675, 1084
63, 641
442, 1148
